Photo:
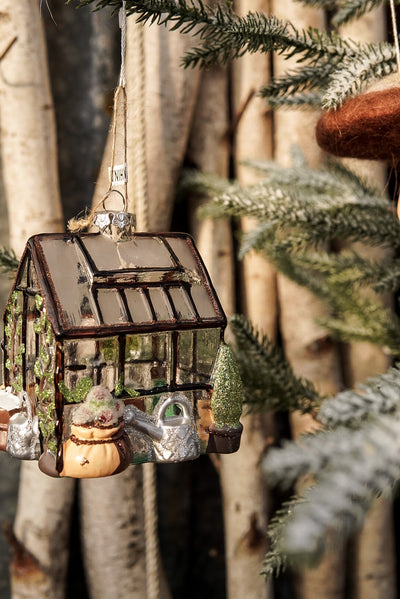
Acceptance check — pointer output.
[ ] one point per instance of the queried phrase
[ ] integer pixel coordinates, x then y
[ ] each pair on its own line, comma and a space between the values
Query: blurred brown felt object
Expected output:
365, 126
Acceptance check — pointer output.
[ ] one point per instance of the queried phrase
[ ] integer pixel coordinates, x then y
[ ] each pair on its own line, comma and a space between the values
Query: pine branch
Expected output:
380, 395
280, 90
269, 381
227, 35
371, 62
308, 221
8, 260
350, 468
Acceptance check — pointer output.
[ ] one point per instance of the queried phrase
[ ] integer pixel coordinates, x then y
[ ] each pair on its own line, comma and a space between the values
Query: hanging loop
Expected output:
119, 226
107, 195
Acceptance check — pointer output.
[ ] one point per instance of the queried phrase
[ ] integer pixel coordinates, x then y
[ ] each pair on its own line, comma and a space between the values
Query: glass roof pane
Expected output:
140, 252
203, 302
138, 305
111, 306
71, 280
183, 249
161, 304
182, 304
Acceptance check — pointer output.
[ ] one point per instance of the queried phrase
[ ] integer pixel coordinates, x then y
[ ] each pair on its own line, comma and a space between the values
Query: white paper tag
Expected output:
119, 174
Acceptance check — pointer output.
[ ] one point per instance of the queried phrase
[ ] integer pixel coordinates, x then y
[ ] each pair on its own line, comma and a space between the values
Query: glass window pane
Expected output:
148, 360
89, 358
161, 304
183, 249
203, 302
184, 370
23, 276
32, 278
207, 344
182, 304
138, 305
71, 278
111, 306
140, 252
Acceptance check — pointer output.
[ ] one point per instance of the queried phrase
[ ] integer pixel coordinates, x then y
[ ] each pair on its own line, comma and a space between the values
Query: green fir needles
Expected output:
268, 379
331, 68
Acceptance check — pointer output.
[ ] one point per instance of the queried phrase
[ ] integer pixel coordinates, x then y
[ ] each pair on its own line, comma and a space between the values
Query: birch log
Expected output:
244, 489
310, 351
29, 163
209, 151
373, 573
159, 114
28, 143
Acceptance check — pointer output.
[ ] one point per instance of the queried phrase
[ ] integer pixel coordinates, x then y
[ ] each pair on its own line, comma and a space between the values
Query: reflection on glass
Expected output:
161, 305
23, 276
182, 304
183, 251
32, 278
71, 278
208, 341
90, 358
147, 360
111, 306
184, 370
203, 302
138, 305
138, 253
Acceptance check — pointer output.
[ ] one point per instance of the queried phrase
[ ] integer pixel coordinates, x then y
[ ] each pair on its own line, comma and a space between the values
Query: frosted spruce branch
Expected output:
269, 380
350, 468
372, 62
380, 395
310, 218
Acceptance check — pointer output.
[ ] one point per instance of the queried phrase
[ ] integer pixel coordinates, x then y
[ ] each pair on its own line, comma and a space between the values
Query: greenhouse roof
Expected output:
92, 285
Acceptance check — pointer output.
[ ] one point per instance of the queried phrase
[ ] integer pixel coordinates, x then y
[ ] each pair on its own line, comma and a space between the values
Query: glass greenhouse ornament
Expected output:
114, 353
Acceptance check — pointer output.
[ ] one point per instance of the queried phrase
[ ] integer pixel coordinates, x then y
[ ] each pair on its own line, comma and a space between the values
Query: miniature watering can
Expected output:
23, 433
175, 438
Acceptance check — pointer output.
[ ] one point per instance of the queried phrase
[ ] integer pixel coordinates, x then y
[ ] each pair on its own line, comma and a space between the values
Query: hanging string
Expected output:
395, 33
119, 106
122, 26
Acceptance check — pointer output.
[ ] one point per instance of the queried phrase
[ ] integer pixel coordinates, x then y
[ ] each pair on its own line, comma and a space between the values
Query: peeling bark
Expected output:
113, 535
42, 531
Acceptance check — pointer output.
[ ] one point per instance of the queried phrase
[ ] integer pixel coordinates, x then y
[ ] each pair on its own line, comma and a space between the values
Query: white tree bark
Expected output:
309, 350
170, 96
113, 536
28, 143
244, 488
29, 163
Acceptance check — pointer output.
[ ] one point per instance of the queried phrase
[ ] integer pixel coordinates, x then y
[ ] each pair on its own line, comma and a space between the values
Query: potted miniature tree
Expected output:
226, 403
